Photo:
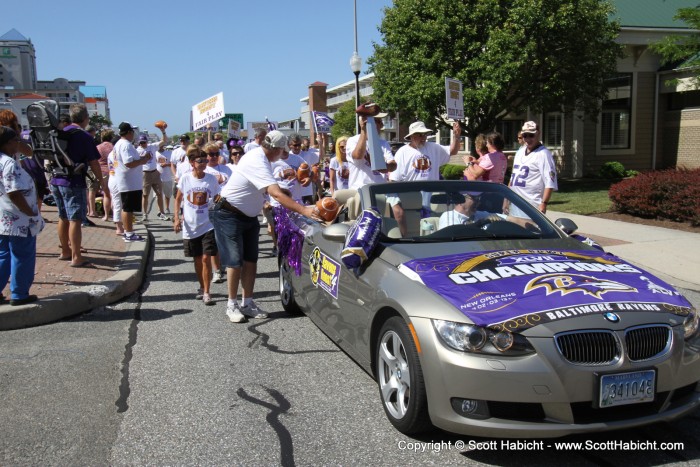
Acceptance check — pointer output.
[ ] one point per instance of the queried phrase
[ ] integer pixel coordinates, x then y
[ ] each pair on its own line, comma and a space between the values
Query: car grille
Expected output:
601, 347
647, 342
588, 347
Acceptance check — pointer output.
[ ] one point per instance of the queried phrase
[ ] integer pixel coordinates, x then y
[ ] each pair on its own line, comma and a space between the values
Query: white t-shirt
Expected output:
292, 184
250, 146
533, 173
219, 170
341, 183
127, 179
361, 173
166, 175
419, 164
182, 168
152, 148
247, 186
294, 160
453, 217
196, 197
178, 155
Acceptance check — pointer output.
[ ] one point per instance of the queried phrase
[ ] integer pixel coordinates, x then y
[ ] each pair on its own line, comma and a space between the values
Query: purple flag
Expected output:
322, 122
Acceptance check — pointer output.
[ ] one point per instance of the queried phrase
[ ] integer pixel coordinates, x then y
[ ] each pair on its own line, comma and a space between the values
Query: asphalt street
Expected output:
161, 379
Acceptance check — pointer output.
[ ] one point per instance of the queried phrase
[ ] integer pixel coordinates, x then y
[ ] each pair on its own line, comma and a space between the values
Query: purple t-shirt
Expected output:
81, 149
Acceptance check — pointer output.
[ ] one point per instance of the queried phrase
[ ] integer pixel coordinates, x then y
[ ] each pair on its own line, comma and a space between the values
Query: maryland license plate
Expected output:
627, 388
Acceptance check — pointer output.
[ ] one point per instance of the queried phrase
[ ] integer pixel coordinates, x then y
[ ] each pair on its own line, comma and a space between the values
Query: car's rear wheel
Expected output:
287, 289
400, 378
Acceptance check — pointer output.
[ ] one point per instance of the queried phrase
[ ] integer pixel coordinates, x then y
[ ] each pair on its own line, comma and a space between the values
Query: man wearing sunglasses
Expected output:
534, 175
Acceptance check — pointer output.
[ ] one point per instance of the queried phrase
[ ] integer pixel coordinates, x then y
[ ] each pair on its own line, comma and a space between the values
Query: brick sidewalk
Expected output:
105, 251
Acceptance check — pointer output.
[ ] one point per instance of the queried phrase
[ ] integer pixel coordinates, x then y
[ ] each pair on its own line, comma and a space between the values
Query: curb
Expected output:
78, 301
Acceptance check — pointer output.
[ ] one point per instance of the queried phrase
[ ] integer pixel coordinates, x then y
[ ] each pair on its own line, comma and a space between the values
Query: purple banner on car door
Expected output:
518, 289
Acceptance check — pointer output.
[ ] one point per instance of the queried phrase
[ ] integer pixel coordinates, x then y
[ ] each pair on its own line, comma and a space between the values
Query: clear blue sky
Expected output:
158, 58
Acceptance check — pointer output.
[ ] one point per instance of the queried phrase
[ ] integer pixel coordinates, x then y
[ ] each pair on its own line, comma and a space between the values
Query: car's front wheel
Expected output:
400, 378
287, 289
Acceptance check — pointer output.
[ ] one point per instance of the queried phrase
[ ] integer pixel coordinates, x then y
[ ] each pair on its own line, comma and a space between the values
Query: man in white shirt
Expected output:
260, 133
127, 171
361, 173
465, 211
534, 175
166, 175
179, 154
151, 176
311, 157
236, 224
420, 160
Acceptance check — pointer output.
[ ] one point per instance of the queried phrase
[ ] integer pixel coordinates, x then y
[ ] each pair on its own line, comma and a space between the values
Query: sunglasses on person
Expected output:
200, 161
528, 135
213, 154
236, 153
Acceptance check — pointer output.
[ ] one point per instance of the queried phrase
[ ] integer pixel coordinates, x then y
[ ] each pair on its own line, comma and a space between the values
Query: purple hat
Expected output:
143, 138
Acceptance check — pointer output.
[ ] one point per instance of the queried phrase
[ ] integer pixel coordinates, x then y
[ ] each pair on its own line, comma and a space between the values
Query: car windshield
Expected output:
439, 211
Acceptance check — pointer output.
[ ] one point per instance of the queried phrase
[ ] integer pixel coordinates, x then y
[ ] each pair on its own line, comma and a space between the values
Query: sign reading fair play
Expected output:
208, 111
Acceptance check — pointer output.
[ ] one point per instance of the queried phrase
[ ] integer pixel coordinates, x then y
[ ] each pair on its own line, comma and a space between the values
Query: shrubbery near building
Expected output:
665, 194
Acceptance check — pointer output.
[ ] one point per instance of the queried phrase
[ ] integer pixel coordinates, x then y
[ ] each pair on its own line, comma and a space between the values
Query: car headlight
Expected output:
690, 325
478, 339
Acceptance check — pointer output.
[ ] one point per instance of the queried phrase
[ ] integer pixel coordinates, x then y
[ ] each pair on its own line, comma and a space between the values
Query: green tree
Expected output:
100, 121
509, 54
683, 49
344, 120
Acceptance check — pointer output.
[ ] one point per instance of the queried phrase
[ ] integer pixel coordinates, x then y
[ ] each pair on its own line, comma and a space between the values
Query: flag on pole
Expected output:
322, 122
270, 125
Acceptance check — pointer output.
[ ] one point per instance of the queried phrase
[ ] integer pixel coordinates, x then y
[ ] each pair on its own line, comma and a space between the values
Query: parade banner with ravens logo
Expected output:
518, 289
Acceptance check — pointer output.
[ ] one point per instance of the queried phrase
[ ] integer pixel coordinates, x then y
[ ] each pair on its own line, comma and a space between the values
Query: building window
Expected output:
552, 129
616, 117
683, 100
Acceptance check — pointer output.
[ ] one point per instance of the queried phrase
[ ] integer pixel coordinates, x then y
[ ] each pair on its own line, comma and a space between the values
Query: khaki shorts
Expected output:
152, 180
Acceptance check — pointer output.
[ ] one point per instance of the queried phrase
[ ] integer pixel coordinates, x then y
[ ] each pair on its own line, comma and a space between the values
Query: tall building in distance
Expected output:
17, 61
20, 86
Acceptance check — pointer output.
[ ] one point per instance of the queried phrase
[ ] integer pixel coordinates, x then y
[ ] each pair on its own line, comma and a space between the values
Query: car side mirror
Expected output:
336, 232
566, 225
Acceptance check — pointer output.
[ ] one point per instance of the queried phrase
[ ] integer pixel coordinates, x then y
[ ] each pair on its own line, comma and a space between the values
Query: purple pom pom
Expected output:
290, 238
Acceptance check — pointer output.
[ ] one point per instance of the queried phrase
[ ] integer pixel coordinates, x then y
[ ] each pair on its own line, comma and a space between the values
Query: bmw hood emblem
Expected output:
612, 317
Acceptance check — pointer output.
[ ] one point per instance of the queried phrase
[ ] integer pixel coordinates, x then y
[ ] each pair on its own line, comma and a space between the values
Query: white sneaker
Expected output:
206, 298
253, 311
163, 217
234, 314
217, 277
200, 294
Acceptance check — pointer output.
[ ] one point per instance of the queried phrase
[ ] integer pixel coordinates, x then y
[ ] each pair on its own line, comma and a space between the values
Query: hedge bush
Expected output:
452, 171
612, 171
665, 194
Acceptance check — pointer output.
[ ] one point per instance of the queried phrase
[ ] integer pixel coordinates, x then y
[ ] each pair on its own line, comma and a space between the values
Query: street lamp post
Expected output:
356, 67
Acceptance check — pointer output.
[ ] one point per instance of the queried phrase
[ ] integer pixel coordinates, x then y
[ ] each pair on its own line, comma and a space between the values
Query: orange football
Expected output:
160, 124
303, 172
327, 208
422, 163
369, 109
288, 174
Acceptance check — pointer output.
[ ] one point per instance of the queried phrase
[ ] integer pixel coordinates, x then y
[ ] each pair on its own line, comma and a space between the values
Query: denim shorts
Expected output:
237, 237
70, 201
